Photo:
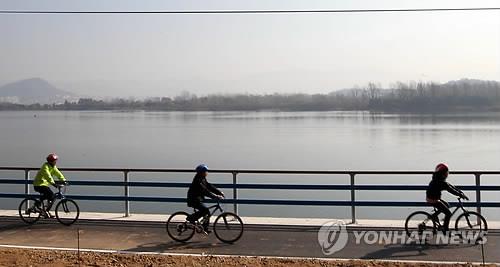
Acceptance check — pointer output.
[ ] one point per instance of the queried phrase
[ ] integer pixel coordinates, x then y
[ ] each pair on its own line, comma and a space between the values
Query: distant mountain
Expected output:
33, 90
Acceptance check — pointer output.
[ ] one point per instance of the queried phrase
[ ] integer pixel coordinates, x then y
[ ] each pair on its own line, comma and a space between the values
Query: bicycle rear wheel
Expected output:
178, 227
228, 227
29, 211
420, 226
67, 211
471, 227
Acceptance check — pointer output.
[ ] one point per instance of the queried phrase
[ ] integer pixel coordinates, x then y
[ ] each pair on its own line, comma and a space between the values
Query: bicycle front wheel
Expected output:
420, 226
228, 227
471, 227
29, 211
67, 211
178, 227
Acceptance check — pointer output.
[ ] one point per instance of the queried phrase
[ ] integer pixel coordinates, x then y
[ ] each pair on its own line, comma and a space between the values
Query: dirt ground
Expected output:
28, 257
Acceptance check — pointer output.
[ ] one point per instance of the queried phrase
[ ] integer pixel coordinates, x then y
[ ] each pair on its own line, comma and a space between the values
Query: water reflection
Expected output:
250, 140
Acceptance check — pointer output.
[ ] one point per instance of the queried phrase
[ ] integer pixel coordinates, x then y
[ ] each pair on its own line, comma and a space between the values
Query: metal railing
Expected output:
352, 187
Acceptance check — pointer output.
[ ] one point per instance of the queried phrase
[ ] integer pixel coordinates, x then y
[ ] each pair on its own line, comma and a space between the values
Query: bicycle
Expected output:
228, 227
421, 224
66, 210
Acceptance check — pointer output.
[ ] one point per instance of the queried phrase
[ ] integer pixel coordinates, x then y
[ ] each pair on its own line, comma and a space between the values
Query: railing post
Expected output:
26, 182
235, 193
478, 192
127, 204
26, 186
353, 199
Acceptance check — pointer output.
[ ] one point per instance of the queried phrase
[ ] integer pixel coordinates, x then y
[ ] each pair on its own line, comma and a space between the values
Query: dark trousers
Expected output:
201, 211
46, 194
443, 207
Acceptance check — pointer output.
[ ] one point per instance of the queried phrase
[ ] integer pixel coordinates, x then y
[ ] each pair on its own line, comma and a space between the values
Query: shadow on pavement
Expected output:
15, 226
395, 251
12, 223
174, 246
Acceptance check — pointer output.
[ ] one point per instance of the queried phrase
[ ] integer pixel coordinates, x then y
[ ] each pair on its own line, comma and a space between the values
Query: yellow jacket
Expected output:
44, 177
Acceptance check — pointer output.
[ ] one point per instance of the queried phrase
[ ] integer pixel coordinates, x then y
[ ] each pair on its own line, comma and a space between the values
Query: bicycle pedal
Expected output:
47, 215
205, 232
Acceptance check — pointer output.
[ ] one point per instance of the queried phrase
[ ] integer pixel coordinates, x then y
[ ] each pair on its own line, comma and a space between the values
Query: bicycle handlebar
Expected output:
60, 183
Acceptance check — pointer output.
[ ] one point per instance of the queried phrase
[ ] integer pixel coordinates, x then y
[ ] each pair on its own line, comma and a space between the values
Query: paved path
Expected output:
258, 240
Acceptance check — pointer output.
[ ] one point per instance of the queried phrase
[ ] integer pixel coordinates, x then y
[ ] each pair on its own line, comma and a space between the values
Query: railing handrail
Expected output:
373, 187
352, 187
252, 171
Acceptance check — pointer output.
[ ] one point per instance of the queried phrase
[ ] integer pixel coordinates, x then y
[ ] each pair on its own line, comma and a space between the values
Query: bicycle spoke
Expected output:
65, 207
178, 228
420, 226
67, 212
471, 227
228, 227
28, 210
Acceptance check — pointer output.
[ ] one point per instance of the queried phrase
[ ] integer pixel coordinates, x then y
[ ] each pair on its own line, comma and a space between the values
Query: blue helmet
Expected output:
201, 168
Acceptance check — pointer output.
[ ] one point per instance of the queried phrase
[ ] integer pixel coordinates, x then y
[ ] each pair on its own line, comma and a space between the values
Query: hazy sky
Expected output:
160, 54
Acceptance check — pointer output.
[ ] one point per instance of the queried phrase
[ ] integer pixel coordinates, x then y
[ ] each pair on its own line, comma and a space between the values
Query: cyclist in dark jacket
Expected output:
199, 189
434, 189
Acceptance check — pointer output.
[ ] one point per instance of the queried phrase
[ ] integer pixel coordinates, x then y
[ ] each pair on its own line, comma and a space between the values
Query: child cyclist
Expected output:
44, 179
199, 189
438, 184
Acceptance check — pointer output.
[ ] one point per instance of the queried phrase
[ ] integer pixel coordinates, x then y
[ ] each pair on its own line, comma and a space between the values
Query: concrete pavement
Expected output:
259, 239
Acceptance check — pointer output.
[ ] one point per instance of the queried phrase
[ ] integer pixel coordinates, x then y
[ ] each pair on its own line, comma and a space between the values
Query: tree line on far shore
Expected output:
460, 95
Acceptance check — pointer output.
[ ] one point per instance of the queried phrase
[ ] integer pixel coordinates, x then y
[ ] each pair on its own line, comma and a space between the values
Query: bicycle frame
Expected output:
460, 206
59, 195
61, 192
212, 210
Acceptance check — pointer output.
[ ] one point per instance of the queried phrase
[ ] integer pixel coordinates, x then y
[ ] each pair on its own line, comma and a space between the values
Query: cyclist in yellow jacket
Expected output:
44, 179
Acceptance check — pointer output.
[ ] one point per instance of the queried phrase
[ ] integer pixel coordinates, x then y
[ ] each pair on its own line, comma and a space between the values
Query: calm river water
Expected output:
254, 140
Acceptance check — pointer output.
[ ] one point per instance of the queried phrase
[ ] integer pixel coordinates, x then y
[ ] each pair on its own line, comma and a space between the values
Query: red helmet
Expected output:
52, 157
442, 168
